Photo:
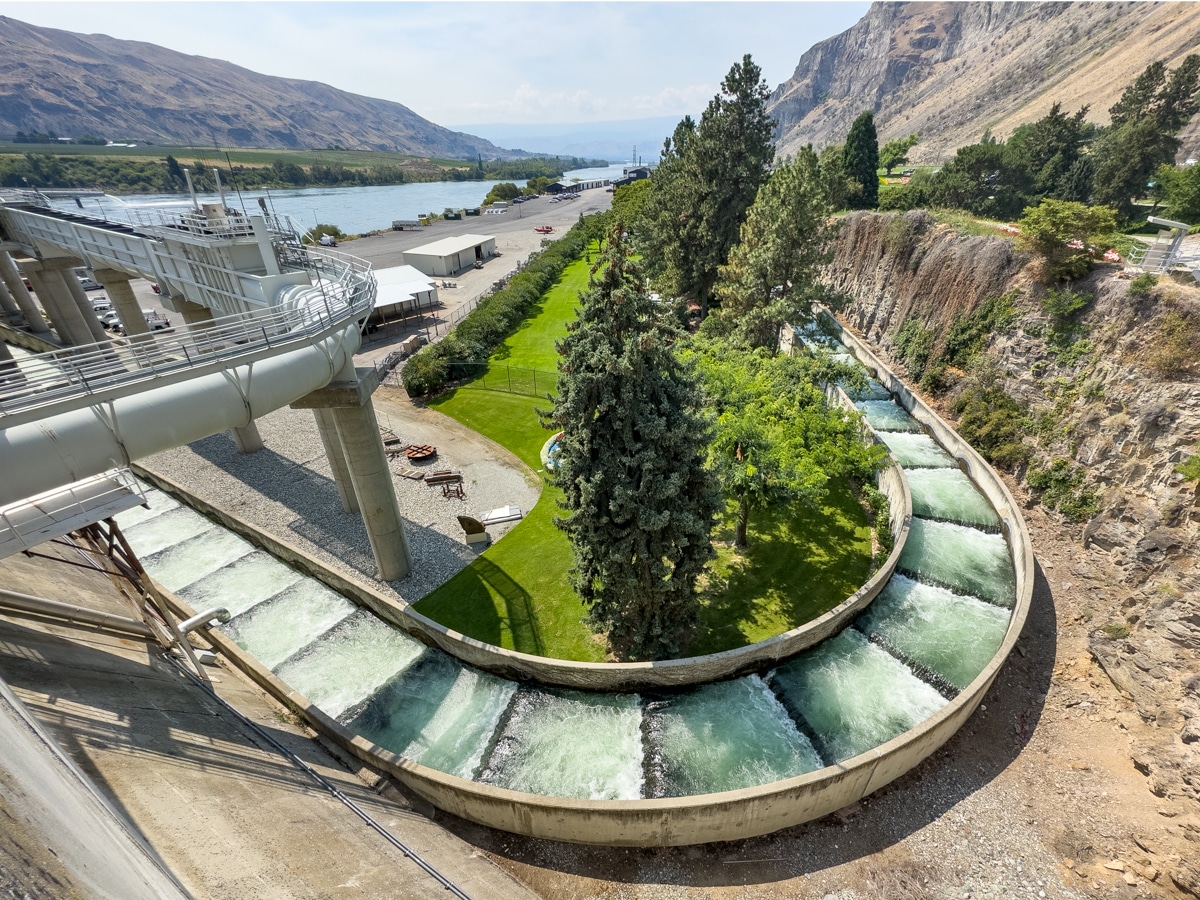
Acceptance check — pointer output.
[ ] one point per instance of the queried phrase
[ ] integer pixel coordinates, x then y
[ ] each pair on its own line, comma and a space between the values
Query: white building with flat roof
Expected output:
451, 255
403, 291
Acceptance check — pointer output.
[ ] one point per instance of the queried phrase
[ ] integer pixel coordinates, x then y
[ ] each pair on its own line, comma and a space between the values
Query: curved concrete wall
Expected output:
704, 818
584, 675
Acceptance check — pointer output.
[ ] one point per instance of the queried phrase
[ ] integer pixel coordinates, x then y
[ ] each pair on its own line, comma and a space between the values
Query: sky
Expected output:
458, 63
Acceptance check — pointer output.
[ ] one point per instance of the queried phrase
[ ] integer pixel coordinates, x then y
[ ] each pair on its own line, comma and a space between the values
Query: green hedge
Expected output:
497, 315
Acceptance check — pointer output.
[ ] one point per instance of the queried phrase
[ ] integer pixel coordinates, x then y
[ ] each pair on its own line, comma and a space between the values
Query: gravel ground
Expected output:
287, 490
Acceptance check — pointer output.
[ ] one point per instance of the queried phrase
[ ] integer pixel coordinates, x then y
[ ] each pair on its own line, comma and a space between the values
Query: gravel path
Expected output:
287, 490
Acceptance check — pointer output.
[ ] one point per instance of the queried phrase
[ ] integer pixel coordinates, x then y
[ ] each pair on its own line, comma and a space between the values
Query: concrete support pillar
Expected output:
59, 305
9, 373
359, 435
12, 280
194, 313
337, 459
79, 295
7, 303
247, 439
116, 284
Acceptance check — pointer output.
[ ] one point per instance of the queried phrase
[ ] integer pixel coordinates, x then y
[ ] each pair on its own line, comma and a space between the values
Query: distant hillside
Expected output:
949, 71
614, 141
73, 84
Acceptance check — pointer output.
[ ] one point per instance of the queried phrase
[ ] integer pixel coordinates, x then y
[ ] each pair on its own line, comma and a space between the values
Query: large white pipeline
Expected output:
64, 448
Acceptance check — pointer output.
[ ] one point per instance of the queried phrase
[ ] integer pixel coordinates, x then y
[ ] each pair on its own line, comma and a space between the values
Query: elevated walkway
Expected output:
271, 322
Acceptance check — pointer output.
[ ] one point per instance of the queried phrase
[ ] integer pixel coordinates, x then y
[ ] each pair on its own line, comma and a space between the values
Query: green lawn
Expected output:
800, 562
531, 346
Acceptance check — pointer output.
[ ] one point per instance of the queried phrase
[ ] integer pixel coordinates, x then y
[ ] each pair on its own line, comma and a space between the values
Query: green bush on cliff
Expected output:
990, 420
1061, 486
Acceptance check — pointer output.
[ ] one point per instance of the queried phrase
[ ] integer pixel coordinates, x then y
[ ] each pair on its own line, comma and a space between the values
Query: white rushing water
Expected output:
949, 494
244, 584
725, 736
884, 415
854, 695
438, 713
178, 566
156, 500
916, 450
349, 663
279, 627
951, 634
165, 530
571, 744
961, 557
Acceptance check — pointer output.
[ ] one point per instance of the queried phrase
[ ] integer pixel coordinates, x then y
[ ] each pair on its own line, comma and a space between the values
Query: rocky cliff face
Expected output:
951, 70
1133, 569
72, 84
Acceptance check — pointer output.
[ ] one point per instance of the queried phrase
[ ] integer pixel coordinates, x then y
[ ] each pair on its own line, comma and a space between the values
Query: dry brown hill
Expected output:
949, 71
72, 84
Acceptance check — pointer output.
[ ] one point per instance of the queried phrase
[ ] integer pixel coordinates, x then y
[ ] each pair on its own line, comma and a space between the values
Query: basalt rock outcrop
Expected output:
1120, 407
950, 71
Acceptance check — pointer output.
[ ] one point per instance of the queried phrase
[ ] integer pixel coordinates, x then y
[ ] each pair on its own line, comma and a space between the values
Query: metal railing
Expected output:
106, 370
74, 501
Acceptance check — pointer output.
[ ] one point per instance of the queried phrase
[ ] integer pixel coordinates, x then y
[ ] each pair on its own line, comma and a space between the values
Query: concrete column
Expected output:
8, 366
193, 313
60, 306
327, 428
247, 439
12, 279
116, 284
359, 435
79, 295
7, 303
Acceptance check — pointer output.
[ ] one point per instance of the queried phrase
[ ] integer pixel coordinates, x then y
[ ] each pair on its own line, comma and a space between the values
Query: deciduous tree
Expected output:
895, 152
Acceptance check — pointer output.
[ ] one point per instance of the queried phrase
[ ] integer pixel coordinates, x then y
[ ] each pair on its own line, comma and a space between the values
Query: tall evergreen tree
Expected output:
771, 275
862, 161
1145, 122
640, 503
711, 178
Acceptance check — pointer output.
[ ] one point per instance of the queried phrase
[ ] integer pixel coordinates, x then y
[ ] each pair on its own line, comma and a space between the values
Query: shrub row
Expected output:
496, 316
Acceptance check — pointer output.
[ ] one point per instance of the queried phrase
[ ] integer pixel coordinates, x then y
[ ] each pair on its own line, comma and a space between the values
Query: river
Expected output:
355, 210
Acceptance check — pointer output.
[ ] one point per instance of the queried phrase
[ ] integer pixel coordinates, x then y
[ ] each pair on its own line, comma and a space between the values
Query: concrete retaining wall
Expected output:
517, 666
704, 818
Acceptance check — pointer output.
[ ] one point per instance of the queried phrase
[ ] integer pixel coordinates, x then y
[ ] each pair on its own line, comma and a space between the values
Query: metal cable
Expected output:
437, 876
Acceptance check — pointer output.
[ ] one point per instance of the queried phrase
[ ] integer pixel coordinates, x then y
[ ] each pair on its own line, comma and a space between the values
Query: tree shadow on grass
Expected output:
800, 563
467, 604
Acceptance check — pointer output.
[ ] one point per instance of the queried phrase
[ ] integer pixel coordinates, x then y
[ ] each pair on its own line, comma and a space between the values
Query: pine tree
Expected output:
862, 161
639, 502
707, 181
771, 275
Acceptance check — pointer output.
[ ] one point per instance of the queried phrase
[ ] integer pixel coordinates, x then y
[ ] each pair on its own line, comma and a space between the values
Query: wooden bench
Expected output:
413, 474
453, 489
441, 476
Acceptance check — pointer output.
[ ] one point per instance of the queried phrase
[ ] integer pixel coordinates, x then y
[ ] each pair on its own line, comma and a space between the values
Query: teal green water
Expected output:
438, 713
854, 695
884, 415
275, 629
951, 634
350, 662
726, 736
960, 557
571, 744
949, 494
916, 450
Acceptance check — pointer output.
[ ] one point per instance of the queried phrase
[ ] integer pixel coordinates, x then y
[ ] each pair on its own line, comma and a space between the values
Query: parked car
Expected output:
89, 284
155, 321
109, 319
101, 304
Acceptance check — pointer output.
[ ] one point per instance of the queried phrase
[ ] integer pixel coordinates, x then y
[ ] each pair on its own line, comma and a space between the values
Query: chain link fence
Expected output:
508, 379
